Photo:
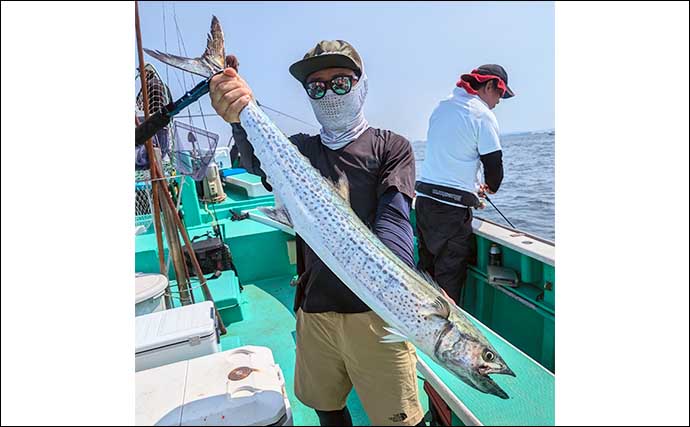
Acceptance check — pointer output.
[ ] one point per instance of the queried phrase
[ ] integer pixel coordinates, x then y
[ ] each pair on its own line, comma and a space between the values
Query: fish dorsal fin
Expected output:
215, 45
341, 185
343, 188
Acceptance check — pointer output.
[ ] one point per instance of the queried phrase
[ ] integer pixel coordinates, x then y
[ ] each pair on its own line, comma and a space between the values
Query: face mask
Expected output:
341, 116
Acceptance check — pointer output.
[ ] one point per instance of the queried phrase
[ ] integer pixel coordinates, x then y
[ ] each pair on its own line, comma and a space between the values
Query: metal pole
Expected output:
157, 173
192, 256
149, 151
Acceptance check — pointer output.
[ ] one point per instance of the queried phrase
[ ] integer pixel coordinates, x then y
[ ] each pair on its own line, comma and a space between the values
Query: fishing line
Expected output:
165, 45
492, 204
268, 108
286, 115
180, 39
182, 48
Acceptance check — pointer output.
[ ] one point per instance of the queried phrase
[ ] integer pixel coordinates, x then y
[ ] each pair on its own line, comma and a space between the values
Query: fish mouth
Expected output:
506, 371
489, 386
480, 380
484, 371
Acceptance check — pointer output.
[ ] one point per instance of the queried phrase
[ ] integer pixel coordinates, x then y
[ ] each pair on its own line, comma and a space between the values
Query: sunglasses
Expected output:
340, 85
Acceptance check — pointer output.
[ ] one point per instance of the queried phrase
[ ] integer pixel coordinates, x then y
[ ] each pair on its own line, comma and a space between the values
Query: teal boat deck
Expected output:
268, 320
263, 252
531, 391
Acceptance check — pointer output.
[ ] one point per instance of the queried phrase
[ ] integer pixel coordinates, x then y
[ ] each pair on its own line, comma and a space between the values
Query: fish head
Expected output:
467, 354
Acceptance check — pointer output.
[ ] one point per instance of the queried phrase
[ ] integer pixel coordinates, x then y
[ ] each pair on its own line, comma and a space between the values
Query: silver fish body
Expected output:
409, 302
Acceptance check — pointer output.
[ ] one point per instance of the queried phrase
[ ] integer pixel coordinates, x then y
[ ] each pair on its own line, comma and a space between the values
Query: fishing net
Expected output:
143, 206
194, 149
159, 93
159, 96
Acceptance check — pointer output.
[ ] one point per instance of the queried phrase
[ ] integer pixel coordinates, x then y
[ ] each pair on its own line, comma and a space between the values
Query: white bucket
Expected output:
149, 290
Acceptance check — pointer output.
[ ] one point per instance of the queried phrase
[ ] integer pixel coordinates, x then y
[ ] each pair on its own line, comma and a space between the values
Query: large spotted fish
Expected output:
409, 302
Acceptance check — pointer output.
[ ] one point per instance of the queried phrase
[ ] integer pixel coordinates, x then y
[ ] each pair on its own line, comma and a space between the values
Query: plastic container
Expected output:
149, 290
495, 256
174, 335
231, 171
222, 157
242, 386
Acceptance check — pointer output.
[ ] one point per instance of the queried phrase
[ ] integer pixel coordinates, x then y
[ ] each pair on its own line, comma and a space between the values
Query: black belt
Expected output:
448, 194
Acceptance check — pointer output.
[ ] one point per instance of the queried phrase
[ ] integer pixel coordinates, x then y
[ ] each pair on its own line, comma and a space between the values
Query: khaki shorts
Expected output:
336, 351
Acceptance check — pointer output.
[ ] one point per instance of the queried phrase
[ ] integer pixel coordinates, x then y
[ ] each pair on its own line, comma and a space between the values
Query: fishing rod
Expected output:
160, 119
492, 204
209, 64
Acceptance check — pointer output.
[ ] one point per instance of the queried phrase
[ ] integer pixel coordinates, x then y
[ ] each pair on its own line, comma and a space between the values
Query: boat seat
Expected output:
249, 182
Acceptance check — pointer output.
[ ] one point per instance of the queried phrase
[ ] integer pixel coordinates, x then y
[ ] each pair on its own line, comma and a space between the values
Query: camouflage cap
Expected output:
327, 54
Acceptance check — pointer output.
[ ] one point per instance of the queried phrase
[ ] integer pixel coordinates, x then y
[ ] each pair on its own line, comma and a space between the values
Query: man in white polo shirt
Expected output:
463, 133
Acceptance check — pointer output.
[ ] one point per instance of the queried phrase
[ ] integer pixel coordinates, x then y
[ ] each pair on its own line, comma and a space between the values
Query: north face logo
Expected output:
398, 417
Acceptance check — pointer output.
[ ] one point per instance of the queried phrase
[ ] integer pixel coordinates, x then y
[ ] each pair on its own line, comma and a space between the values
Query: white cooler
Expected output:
178, 334
239, 387
149, 290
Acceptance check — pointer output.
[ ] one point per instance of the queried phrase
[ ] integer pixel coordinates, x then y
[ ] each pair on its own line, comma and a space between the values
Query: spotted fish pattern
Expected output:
408, 301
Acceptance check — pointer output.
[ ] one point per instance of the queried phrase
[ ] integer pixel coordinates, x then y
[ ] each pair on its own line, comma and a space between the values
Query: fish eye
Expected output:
488, 355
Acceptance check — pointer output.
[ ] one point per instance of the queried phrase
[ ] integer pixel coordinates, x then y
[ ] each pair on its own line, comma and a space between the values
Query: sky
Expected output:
413, 54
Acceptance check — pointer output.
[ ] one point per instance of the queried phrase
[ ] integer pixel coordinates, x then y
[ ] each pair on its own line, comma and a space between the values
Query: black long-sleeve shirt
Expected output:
380, 169
493, 169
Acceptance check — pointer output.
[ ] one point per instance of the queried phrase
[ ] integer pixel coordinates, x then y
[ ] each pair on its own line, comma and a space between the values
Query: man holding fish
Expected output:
338, 335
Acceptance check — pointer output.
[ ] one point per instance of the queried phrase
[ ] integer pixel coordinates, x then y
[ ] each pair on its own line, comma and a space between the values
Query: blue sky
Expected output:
413, 53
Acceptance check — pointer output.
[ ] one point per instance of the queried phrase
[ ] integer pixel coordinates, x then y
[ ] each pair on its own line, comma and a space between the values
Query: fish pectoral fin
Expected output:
444, 302
441, 307
393, 336
390, 339
280, 215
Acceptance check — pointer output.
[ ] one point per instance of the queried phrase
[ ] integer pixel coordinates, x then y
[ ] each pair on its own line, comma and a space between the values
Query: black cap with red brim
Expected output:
488, 72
